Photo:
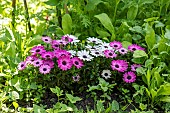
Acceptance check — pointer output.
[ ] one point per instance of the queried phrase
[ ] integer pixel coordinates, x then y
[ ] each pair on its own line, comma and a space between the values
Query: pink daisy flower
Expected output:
62, 42
135, 47
37, 63
31, 59
116, 44
135, 66
64, 63
122, 51
67, 38
47, 39
22, 66
44, 69
49, 63
37, 50
59, 53
129, 77
110, 54
47, 55
119, 65
55, 44
77, 62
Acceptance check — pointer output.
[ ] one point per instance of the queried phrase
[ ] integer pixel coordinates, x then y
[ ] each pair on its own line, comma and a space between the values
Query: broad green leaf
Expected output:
91, 88
67, 24
14, 95
150, 36
73, 99
164, 89
165, 99
132, 12
102, 33
148, 77
38, 109
154, 94
147, 91
106, 22
148, 63
142, 106
11, 49
159, 24
115, 106
34, 41
158, 79
167, 34
125, 44
57, 91
162, 46
139, 54
52, 2
142, 2
91, 5
141, 70
137, 29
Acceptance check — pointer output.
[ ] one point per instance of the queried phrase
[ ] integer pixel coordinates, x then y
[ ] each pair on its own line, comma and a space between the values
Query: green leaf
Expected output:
148, 77
142, 2
91, 88
34, 41
150, 36
106, 22
148, 63
11, 49
167, 34
73, 99
132, 12
38, 109
137, 29
139, 54
115, 106
102, 33
67, 24
165, 99
100, 107
125, 44
92, 4
164, 89
52, 2
57, 91
158, 78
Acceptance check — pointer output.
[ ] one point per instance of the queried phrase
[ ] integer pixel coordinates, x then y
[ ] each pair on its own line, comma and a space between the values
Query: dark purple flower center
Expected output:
110, 54
133, 49
47, 56
66, 39
93, 41
75, 77
38, 50
117, 66
106, 74
46, 39
84, 56
37, 62
97, 53
105, 46
22, 65
123, 50
44, 69
115, 45
76, 62
64, 62
129, 77
56, 45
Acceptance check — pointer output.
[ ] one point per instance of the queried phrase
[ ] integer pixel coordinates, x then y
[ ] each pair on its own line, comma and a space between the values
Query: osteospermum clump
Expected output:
135, 47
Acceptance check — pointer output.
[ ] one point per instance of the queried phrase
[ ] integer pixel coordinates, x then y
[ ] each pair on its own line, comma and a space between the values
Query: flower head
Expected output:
55, 44
106, 74
74, 39
110, 54
47, 39
76, 78
37, 62
78, 63
64, 62
105, 46
134, 66
135, 47
59, 53
116, 44
37, 50
31, 59
122, 51
67, 38
48, 55
49, 63
129, 77
94, 40
84, 55
22, 66
119, 65
44, 69
96, 52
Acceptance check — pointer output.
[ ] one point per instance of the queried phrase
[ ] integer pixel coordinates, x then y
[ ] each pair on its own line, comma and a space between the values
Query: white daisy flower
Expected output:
84, 55
106, 74
96, 53
105, 46
73, 53
75, 39
94, 40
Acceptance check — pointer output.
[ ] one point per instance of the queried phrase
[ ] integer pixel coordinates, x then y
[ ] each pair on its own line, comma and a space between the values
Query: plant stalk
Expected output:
27, 14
